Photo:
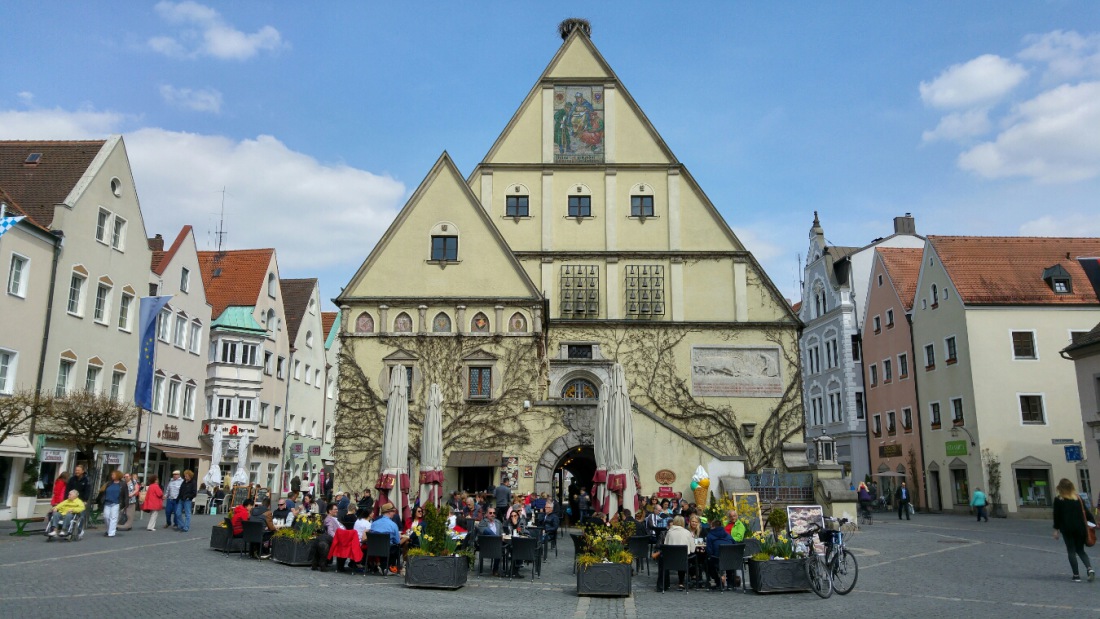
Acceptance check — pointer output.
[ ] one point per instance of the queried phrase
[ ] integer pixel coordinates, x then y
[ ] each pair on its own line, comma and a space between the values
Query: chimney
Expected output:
905, 225
157, 243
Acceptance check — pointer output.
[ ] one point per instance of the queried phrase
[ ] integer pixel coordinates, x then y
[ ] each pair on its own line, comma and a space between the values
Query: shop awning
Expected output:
17, 447
184, 453
467, 459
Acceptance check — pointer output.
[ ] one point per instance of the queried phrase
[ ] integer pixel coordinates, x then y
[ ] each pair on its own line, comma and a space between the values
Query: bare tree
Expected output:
86, 419
17, 411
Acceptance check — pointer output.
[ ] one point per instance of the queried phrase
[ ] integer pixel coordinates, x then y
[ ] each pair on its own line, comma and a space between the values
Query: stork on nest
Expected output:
566, 27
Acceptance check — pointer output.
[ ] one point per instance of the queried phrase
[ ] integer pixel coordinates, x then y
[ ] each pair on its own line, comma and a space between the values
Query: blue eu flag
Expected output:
147, 338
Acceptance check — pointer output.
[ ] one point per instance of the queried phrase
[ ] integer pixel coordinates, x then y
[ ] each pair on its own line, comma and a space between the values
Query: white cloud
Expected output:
1068, 55
27, 98
204, 33
959, 126
196, 100
1051, 138
981, 81
317, 215
1065, 224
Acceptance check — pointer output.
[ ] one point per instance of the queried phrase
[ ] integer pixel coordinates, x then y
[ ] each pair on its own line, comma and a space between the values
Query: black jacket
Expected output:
1068, 516
187, 490
81, 485
897, 494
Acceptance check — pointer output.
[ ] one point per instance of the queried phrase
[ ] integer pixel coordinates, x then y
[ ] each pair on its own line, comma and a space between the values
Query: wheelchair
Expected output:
74, 532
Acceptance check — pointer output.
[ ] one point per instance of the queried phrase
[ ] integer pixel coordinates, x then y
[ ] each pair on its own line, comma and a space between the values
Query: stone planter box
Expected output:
24, 506
290, 552
604, 579
778, 576
436, 572
220, 535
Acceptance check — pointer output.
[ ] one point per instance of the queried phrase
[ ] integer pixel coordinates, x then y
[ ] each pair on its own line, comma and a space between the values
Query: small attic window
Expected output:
1058, 279
33, 159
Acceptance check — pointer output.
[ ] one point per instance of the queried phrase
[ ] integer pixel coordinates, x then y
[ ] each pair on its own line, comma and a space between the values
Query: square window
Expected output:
1061, 286
641, 206
445, 248
580, 206
480, 385
18, 271
1031, 409
1023, 345
516, 206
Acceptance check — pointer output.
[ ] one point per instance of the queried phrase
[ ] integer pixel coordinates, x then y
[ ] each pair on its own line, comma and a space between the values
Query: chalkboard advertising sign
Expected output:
261, 494
239, 494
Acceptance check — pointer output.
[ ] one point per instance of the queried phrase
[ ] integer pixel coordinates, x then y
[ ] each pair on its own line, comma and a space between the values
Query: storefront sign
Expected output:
315, 450
53, 455
889, 451
665, 477
169, 433
296, 448
955, 448
112, 458
665, 492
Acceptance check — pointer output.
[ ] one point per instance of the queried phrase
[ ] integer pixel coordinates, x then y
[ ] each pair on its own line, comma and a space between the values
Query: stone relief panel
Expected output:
736, 371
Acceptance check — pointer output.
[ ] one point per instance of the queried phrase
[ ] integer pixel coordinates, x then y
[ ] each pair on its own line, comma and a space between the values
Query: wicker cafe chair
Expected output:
253, 534
489, 547
731, 557
378, 547
673, 559
638, 546
525, 549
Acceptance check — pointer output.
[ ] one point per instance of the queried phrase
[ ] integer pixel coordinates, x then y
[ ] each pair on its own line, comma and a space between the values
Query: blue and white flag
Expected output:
147, 353
7, 223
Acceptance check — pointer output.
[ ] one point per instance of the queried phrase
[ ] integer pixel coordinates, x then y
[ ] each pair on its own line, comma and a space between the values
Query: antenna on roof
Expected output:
219, 235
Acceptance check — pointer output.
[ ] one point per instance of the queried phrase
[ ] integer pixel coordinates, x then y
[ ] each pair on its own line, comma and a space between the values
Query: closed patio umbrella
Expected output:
431, 449
393, 483
619, 444
599, 450
240, 476
214, 475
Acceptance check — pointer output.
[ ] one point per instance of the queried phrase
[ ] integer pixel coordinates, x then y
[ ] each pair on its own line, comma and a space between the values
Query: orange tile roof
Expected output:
903, 266
162, 258
327, 320
240, 276
39, 187
1009, 270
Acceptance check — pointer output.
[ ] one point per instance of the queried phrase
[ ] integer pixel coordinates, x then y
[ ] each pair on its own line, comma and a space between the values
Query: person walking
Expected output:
154, 502
187, 493
980, 503
80, 482
902, 496
171, 497
114, 496
1072, 518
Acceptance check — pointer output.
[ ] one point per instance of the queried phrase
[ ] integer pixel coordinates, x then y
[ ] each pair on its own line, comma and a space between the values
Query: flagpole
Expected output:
148, 437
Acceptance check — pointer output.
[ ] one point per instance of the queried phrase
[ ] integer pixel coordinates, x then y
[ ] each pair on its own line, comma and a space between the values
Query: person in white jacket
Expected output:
677, 536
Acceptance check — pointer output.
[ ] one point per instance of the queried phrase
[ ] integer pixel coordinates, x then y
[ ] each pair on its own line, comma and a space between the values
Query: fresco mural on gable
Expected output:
736, 371
578, 124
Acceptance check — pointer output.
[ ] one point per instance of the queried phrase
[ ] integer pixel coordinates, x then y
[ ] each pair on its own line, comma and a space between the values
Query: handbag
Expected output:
1090, 532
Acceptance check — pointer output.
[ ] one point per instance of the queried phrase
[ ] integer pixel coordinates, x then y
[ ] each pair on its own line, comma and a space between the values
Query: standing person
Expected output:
503, 496
60, 489
187, 494
902, 495
1072, 518
980, 502
366, 502
154, 502
171, 495
584, 506
114, 496
80, 482
132, 490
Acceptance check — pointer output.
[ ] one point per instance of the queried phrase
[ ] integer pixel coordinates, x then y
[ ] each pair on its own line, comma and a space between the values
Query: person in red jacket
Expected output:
241, 513
59, 492
153, 503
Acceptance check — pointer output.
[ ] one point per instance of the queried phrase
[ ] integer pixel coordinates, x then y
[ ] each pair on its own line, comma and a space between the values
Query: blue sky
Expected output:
321, 118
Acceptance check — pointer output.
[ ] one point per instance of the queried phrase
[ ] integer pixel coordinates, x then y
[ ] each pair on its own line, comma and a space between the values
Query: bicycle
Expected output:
865, 515
837, 570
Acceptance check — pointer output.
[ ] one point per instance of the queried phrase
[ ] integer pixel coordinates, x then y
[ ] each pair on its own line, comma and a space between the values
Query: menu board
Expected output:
261, 494
239, 494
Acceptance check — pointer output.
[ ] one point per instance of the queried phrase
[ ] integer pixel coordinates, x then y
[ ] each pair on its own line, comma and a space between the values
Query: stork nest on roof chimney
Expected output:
566, 27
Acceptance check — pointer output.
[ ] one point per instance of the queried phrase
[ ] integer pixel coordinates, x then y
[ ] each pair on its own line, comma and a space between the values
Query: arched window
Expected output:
309, 339
480, 323
270, 321
403, 323
364, 323
517, 323
580, 389
442, 323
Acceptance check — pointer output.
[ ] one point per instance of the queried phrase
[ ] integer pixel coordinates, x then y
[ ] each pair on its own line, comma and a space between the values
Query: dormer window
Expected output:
1058, 279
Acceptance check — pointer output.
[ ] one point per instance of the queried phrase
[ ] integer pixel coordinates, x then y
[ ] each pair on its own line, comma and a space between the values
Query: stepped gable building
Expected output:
834, 304
990, 316
580, 240
305, 413
892, 408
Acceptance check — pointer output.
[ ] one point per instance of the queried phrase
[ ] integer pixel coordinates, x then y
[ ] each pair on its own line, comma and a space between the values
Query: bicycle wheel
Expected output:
845, 572
818, 576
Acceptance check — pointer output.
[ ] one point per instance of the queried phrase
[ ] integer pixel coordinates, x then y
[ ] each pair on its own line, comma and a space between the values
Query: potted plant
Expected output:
437, 563
993, 470
291, 545
604, 565
24, 506
778, 566
221, 539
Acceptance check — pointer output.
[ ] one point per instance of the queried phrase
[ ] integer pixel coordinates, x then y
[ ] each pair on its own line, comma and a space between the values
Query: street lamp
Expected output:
955, 432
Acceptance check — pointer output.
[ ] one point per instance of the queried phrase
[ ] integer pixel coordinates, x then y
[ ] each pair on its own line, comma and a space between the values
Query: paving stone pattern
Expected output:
932, 565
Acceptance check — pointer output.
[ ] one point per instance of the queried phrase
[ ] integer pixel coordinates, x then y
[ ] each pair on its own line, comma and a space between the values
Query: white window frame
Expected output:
309, 375
271, 285
1034, 344
1042, 408
277, 418
188, 407
75, 306
17, 278
269, 358
949, 342
244, 409
297, 369
174, 397
331, 390
125, 311
118, 234
179, 331
907, 420
929, 356
280, 368
194, 344
317, 378
64, 383
962, 411
934, 411
903, 366
102, 225
118, 385
93, 378
102, 310
185, 279
9, 365
164, 325
264, 407
158, 394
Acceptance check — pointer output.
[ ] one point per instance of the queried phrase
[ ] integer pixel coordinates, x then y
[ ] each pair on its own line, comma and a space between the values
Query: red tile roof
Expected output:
296, 295
41, 186
903, 266
13, 210
327, 320
1009, 270
234, 278
162, 258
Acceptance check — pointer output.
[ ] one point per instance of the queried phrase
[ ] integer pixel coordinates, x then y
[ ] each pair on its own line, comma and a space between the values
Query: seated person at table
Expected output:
550, 521
491, 527
323, 542
716, 538
282, 516
516, 524
385, 523
66, 509
262, 513
736, 527
292, 500
362, 524
677, 536
640, 527
241, 513
473, 509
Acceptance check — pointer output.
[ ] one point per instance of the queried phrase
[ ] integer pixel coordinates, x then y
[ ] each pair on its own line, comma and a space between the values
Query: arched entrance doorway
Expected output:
573, 471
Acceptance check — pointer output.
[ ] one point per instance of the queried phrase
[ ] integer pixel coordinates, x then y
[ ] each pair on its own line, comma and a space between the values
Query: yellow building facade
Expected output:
579, 241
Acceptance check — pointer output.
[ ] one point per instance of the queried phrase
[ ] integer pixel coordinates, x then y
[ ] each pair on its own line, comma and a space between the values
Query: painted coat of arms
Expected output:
578, 124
